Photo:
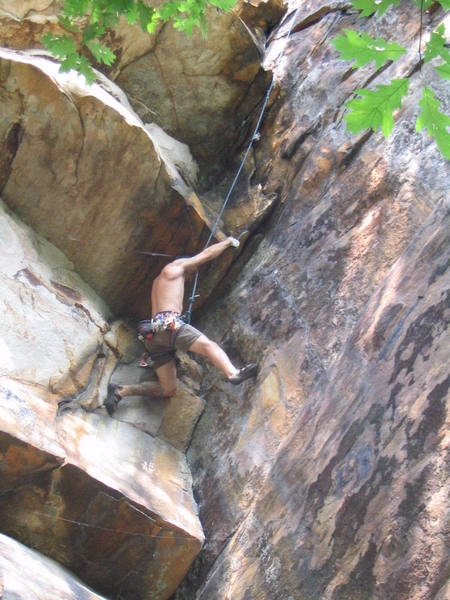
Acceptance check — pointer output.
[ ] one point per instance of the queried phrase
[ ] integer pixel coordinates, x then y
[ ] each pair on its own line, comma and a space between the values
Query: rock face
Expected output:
185, 83
325, 479
353, 464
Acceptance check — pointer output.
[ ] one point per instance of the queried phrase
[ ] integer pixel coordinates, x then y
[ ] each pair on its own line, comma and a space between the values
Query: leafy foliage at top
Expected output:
368, 7
92, 18
375, 108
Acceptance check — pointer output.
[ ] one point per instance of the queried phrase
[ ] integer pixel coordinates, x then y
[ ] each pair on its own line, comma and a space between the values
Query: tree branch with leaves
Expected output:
375, 107
91, 19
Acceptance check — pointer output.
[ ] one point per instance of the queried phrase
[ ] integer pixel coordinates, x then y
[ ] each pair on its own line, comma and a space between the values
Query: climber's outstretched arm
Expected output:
192, 263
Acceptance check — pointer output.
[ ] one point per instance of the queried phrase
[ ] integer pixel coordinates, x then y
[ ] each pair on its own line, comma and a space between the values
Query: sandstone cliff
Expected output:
325, 479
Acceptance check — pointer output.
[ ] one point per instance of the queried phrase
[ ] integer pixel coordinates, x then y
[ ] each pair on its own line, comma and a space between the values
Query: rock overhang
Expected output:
108, 187
98, 211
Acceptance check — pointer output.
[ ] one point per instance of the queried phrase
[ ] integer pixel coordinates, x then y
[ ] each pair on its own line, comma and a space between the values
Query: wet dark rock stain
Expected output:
432, 422
320, 489
352, 513
392, 403
384, 325
438, 272
361, 584
413, 504
421, 334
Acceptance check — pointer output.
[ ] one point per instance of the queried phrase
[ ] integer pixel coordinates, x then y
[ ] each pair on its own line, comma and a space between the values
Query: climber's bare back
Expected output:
168, 289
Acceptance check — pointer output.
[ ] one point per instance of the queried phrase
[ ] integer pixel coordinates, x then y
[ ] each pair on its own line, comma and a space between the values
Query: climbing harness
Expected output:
255, 137
162, 321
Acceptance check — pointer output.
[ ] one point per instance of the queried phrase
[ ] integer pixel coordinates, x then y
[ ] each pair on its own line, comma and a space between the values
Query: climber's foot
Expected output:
244, 373
113, 398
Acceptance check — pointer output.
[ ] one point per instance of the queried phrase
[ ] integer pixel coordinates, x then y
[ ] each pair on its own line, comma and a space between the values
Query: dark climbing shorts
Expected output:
162, 345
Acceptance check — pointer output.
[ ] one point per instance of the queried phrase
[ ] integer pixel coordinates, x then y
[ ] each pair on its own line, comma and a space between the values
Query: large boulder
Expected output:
200, 89
116, 500
53, 325
44, 578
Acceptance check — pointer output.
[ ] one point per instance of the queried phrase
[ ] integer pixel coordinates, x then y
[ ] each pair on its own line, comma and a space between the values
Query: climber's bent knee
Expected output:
202, 345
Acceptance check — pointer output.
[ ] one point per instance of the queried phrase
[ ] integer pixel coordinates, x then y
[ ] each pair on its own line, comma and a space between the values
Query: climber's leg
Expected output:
219, 359
146, 388
166, 386
215, 354
117, 392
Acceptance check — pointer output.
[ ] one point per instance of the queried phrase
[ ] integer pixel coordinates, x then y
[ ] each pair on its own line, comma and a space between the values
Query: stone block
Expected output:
180, 417
99, 496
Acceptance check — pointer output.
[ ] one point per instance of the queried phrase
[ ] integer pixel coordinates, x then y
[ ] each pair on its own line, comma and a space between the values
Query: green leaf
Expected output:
145, 15
85, 69
132, 14
101, 53
435, 46
168, 10
151, 27
59, 45
223, 4
91, 32
434, 121
76, 8
67, 23
364, 49
368, 7
376, 108
444, 71
445, 4
71, 62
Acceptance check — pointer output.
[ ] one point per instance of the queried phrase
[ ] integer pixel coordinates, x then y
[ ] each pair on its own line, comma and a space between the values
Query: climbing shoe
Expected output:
113, 399
246, 372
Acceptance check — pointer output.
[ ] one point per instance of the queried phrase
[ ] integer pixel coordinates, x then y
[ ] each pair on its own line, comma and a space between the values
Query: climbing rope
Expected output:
255, 137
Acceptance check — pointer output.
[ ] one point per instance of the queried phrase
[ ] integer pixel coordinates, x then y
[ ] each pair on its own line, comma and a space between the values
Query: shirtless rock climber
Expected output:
166, 332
